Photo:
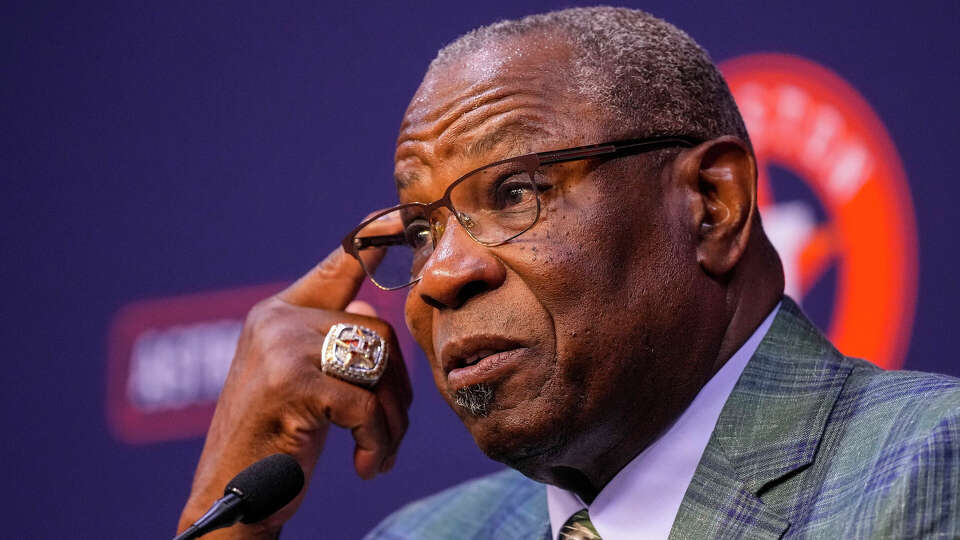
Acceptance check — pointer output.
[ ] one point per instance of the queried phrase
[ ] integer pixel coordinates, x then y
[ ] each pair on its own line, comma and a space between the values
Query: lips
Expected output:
478, 359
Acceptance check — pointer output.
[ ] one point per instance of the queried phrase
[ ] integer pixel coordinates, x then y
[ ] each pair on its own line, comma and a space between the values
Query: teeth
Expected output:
476, 358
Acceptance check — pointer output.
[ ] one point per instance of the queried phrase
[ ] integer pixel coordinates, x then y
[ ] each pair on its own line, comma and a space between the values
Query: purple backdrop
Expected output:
156, 151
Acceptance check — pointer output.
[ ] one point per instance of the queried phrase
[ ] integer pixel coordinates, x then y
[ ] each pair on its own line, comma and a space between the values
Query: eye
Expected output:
417, 234
515, 195
514, 191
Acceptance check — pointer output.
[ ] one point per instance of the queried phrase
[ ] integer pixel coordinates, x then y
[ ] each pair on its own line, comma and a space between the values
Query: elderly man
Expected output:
597, 299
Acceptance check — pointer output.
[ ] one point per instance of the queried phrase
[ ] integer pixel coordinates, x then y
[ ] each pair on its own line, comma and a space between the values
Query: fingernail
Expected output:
388, 463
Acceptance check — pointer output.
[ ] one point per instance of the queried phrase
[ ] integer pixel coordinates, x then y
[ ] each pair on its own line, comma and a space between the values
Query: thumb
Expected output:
331, 284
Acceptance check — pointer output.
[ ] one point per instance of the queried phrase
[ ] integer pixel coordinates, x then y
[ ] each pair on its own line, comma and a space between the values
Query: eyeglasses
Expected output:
494, 204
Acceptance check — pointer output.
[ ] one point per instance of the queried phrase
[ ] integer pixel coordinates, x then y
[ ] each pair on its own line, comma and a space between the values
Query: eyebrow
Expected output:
516, 137
406, 179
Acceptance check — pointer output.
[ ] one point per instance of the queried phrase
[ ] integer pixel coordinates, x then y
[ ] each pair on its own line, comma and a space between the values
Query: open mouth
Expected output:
463, 352
486, 366
476, 358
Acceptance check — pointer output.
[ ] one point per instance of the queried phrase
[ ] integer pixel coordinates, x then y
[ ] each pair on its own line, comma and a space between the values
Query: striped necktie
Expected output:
579, 527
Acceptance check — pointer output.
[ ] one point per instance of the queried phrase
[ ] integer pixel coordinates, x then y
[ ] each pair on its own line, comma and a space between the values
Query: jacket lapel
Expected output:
769, 427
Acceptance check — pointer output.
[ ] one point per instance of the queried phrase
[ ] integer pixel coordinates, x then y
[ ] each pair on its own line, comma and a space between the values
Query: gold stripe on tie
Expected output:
579, 527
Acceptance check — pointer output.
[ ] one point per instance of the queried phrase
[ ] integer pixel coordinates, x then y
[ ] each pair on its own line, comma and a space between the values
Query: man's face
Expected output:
576, 320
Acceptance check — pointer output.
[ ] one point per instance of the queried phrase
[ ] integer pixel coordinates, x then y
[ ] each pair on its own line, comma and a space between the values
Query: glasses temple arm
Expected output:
611, 148
367, 242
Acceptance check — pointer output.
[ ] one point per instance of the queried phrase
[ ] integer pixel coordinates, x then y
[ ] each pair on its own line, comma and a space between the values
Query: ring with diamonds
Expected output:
354, 353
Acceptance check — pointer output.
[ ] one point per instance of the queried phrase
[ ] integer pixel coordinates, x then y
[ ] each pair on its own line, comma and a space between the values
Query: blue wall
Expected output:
181, 147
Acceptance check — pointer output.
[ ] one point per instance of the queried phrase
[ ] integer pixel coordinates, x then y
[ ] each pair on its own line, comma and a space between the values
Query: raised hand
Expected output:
277, 399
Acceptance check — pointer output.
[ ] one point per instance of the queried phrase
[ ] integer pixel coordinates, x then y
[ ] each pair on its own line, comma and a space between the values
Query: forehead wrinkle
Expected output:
465, 99
509, 132
516, 108
501, 117
426, 115
416, 141
432, 123
414, 151
505, 131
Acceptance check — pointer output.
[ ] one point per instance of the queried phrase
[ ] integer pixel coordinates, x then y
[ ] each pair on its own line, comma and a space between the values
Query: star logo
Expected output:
357, 348
354, 353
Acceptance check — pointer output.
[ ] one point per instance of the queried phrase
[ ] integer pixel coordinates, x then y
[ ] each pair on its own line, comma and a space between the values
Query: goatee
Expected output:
476, 398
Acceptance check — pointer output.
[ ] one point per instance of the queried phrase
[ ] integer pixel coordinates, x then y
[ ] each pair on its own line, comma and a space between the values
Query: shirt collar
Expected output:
657, 479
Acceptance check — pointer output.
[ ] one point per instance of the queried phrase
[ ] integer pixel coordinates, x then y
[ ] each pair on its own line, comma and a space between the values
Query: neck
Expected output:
755, 289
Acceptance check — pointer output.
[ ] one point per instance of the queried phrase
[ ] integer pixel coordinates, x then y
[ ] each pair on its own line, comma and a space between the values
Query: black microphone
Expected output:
258, 491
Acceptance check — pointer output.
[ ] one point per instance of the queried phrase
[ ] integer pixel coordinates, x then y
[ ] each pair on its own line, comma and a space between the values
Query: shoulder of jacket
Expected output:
462, 511
914, 402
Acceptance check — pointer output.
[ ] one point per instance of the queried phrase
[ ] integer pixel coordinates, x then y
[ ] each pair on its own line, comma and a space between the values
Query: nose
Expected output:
458, 269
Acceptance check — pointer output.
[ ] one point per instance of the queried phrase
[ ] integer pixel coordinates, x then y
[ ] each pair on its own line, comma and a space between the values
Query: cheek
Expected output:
584, 248
418, 318
603, 265
566, 261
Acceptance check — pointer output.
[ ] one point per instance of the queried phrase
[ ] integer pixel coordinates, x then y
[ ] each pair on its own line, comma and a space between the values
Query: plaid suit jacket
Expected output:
810, 444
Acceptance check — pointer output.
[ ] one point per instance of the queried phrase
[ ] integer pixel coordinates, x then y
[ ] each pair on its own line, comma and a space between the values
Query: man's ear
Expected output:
719, 178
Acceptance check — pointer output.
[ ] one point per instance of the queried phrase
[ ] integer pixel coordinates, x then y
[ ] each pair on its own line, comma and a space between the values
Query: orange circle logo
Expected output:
856, 226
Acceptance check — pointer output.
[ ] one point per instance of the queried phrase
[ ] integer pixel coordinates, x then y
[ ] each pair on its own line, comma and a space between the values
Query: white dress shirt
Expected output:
642, 500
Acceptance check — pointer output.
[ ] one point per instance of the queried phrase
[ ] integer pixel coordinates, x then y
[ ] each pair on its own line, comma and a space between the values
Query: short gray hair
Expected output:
653, 76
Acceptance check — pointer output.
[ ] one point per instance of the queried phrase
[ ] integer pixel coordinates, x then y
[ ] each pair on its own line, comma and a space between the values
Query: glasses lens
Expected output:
496, 203
394, 247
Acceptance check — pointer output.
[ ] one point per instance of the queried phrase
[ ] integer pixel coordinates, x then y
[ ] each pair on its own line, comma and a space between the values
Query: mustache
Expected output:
476, 399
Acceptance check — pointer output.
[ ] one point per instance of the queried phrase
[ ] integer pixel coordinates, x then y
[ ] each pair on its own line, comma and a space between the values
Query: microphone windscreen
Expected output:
267, 486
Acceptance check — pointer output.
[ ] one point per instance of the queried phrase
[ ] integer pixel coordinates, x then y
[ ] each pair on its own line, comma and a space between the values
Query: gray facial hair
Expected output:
476, 398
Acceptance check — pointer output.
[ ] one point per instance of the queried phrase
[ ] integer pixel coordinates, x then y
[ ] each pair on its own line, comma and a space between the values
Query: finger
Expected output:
359, 307
397, 374
334, 282
397, 422
359, 410
395, 395
331, 284
377, 427
371, 449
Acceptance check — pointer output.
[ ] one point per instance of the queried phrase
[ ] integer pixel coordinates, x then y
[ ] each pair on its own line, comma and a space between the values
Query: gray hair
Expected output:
653, 76
476, 398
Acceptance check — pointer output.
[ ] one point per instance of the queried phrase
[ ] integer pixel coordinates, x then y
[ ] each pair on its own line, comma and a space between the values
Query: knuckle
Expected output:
272, 333
289, 431
329, 267
262, 315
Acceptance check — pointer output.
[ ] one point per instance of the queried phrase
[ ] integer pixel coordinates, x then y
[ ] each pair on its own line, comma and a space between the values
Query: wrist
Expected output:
264, 530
